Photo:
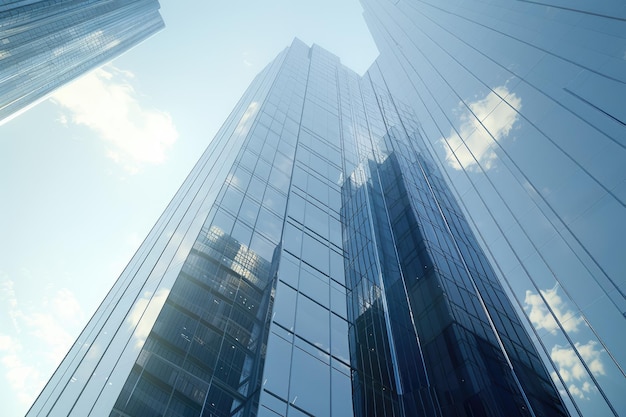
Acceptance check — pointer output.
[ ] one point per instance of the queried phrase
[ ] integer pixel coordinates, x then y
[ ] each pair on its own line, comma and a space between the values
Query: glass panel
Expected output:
310, 384
312, 323
315, 285
284, 306
277, 366
339, 338
341, 394
315, 253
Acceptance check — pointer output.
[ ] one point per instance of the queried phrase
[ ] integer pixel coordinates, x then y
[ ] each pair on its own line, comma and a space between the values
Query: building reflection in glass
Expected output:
314, 263
434, 332
521, 105
205, 352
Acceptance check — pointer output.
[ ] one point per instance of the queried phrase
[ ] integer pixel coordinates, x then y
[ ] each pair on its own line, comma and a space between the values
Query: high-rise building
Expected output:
314, 263
522, 105
46, 44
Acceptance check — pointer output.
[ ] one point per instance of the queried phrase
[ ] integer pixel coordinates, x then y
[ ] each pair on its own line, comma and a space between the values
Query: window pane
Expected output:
312, 323
310, 384
276, 370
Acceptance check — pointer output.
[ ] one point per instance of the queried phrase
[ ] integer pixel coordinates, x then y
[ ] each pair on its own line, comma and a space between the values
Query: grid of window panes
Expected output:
481, 311
390, 373
217, 338
92, 375
521, 105
379, 333
536, 383
307, 368
469, 332
456, 351
44, 45
287, 276
204, 353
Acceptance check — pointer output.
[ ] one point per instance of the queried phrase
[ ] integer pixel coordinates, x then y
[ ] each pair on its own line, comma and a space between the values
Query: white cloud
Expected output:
245, 55
105, 101
569, 365
144, 313
23, 378
44, 323
65, 305
6, 343
541, 317
49, 329
489, 115
8, 299
246, 120
572, 370
7, 292
134, 240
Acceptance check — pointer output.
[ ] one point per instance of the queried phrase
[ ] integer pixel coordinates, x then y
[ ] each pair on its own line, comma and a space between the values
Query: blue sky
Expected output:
86, 173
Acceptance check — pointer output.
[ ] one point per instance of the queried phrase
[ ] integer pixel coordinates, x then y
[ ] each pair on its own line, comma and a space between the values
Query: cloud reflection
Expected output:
482, 121
541, 317
144, 313
571, 368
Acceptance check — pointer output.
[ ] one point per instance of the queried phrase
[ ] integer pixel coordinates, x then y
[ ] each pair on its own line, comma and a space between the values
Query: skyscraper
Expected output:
313, 263
522, 105
45, 44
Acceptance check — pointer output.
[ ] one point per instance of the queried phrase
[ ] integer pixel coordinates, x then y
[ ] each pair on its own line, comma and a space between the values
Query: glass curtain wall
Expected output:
91, 376
521, 105
45, 44
312, 264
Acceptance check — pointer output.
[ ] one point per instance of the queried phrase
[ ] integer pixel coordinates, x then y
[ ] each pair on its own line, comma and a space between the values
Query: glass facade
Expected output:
314, 263
521, 104
45, 44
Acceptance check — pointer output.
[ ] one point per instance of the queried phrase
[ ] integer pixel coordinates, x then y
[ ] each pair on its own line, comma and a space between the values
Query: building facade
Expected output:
521, 103
46, 44
313, 263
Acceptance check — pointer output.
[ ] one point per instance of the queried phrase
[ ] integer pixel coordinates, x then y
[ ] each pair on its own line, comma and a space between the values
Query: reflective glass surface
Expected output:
95, 370
314, 263
521, 104
46, 44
